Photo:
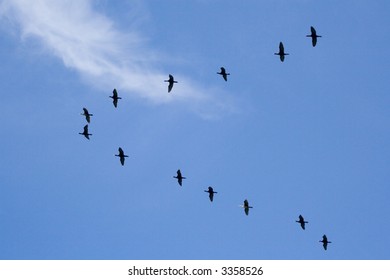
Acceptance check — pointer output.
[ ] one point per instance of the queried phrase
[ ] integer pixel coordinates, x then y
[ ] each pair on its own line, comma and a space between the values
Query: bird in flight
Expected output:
211, 193
121, 156
313, 36
281, 52
223, 73
302, 221
325, 241
115, 97
85, 132
246, 207
179, 177
170, 82
87, 115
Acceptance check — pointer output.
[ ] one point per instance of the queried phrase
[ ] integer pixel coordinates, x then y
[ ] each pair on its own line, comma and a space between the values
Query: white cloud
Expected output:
87, 41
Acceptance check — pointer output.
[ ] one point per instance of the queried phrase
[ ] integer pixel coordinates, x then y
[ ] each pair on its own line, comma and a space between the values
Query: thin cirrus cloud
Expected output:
87, 41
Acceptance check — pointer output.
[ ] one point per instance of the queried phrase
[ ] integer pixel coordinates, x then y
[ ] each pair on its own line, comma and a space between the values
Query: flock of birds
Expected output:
171, 81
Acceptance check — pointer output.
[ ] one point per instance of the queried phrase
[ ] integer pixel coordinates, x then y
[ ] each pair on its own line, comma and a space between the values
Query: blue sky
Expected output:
307, 136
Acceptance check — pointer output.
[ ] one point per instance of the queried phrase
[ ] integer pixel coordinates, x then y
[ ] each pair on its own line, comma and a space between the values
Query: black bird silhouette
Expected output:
179, 177
87, 115
115, 97
325, 241
302, 221
223, 73
171, 81
211, 193
281, 52
313, 36
121, 156
85, 132
246, 207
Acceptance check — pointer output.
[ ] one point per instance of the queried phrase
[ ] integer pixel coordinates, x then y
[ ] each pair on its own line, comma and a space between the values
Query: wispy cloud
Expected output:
88, 41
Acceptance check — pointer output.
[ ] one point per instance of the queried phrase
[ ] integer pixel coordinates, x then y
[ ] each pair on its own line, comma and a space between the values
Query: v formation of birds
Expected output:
179, 177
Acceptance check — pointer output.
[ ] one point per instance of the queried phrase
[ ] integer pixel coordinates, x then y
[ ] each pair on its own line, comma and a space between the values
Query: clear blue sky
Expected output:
307, 136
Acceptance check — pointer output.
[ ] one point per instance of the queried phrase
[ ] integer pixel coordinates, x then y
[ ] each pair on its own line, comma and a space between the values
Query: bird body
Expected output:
325, 242
170, 82
121, 156
281, 52
246, 207
85, 132
223, 73
211, 193
302, 221
179, 177
87, 115
313, 36
115, 97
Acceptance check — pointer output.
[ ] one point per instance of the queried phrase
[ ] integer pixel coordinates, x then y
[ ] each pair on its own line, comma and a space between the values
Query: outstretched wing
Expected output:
281, 48
224, 75
170, 86
313, 31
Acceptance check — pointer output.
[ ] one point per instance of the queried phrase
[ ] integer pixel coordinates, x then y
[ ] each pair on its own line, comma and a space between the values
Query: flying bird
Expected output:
223, 73
281, 52
325, 241
115, 97
121, 156
302, 221
170, 82
313, 36
246, 207
211, 193
85, 132
87, 115
179, 177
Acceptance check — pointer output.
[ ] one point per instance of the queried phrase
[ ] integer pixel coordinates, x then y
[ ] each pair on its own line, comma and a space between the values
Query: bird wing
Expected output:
314, 41
313, 31
170, 86
281, 47
88, 118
